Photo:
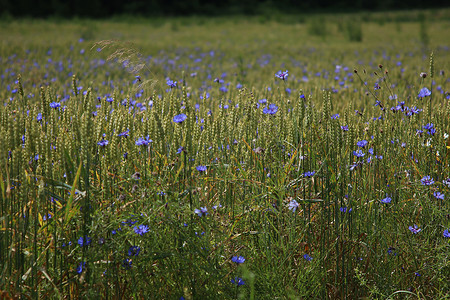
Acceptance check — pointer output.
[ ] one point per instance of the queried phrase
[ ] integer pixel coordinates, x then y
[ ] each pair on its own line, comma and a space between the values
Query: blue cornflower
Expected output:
391, 251
103, 143
307, 257
171, 83
201, 168
238, 259
427, 180
81, 266
127, 263
143, 142
84, 241
124, 134
293, 205
238, 281
344, 128
336, 116
362, 143
430, 128
55, 104
203, 211
39, 117
345, 209
309, 173
181, 149
179, 118
282, 75
446, 182
358, 153
141, 229
439, 195
424, 92
414, 229
134, 251
271, 110
386, 200
447, 233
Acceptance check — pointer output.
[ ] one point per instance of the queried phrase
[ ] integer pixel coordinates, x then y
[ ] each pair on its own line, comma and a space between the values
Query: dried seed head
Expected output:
136, 176
380, 66
355, 71
259, 150
423, 75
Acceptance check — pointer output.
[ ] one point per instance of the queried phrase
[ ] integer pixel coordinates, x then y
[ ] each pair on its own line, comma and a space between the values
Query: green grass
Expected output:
257, 163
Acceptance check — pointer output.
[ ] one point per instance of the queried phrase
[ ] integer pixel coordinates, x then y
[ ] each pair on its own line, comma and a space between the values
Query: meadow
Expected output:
288, 157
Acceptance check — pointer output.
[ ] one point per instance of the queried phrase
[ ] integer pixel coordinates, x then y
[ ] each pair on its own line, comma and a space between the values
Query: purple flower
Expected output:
415, 229
39, 117
446, 182
55, 105
427, 180
143, 142
439, 195
345, 209
201, 168
124, 134
424, 92
447, 233
238, 281
141, 229
271, 110
307, 257
293, 205
84, 241
282, 75
171, 83
179, 118
81, 266
430, 128
127, 263
386, 200
358, 153
134, 251
344, 128
238, 259
309, 173
203, 211
103, 143
181, 149
362, 143
336, 116
217, 206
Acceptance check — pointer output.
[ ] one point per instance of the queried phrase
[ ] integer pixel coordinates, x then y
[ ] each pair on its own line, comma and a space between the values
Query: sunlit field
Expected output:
288, 157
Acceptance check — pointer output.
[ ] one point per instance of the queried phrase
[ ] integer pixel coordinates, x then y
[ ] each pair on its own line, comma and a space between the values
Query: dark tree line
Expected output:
107, 8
